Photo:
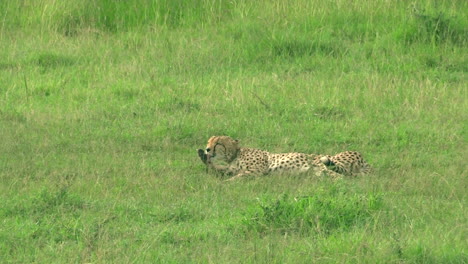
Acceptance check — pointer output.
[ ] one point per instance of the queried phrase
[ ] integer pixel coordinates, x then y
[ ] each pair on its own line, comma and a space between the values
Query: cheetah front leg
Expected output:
240, 174
246, 173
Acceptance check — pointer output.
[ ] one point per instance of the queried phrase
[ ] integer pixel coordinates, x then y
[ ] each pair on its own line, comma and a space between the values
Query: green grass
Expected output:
104, 103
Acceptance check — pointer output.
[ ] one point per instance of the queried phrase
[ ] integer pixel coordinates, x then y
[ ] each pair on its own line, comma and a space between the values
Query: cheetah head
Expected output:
219, 148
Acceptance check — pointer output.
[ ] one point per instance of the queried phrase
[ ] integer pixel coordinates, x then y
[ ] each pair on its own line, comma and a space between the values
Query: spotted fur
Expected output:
223, 154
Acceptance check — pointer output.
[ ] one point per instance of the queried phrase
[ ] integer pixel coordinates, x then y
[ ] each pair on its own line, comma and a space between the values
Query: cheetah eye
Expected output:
208, 149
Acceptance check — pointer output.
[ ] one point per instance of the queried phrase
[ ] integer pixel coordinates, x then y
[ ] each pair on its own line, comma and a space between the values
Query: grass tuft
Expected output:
49, 60
326, 211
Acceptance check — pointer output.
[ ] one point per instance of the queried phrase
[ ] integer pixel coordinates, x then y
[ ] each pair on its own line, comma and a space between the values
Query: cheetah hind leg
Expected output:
327, 161
331, 169
325, 167
333, 175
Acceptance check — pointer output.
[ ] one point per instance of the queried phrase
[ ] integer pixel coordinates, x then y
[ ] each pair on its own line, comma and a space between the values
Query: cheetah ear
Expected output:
211, 139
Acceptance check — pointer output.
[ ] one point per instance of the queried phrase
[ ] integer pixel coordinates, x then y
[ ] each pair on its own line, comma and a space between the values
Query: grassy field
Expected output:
104, 103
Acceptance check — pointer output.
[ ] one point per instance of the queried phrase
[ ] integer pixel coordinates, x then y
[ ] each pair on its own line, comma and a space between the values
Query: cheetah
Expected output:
224, 155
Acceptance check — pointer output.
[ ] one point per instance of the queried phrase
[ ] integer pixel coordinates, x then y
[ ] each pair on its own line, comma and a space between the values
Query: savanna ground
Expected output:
103, 104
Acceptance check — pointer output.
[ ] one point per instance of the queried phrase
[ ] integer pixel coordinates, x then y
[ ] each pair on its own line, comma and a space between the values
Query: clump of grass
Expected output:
70, 18
439, 27
297, 48
52, 60
434, 27
327, 210
46, 202
115, 16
